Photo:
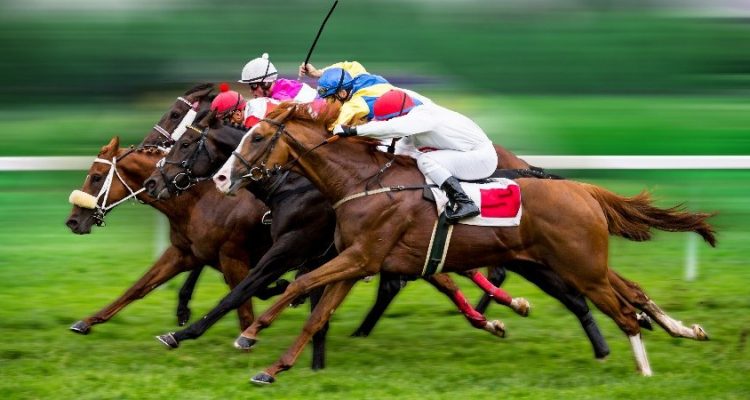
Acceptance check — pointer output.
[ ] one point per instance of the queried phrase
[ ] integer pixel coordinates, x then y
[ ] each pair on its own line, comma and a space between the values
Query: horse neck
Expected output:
136, 168
346, 166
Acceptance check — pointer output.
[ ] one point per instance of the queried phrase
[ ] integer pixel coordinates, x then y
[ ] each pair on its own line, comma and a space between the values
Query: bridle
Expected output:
178, 131
102, 209
184, 180
256, 170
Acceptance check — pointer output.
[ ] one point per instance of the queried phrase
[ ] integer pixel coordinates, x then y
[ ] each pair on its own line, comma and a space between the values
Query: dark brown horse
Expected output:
565, 228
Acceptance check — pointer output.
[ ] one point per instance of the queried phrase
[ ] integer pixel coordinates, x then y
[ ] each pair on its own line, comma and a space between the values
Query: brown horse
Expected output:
206, 228
565, 228
179, 114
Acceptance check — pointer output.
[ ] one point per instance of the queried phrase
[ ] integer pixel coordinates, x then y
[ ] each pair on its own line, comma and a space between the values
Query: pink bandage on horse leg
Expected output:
475, 317
500, 295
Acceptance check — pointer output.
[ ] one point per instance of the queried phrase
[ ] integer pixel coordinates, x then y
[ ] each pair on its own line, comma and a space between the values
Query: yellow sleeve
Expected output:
354, 68
352, 112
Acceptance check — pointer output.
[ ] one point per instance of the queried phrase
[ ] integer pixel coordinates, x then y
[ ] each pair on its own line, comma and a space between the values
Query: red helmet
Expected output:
227, 100
393, 103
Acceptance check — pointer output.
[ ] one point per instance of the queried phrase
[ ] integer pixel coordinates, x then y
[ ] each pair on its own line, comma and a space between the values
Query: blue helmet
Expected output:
333, 80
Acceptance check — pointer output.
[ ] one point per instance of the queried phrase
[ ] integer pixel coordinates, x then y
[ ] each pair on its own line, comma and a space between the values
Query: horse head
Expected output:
181, 114
106, 185
269, 146
194, 157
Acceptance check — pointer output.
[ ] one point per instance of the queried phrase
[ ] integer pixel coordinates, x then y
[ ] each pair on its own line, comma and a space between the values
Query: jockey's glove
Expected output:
345, 130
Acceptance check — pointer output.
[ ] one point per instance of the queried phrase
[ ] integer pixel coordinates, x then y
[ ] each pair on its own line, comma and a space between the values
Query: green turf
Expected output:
422, 349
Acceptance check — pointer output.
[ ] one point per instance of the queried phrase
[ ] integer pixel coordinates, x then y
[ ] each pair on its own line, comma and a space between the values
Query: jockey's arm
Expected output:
410, 124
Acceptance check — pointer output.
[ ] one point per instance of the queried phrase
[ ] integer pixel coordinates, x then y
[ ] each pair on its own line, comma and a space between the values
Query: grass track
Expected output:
422, 349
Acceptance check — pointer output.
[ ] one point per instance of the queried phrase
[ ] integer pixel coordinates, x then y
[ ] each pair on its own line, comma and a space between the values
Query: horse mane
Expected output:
317, 112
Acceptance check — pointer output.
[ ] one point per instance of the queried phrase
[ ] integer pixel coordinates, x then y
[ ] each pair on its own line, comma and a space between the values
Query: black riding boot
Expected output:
459, 205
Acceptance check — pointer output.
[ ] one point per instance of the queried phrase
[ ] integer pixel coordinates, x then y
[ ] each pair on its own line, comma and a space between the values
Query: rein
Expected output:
101, 210
258, 172
187, 164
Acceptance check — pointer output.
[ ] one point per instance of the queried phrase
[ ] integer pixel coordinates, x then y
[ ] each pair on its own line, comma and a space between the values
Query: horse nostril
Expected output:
72, 223
220, 178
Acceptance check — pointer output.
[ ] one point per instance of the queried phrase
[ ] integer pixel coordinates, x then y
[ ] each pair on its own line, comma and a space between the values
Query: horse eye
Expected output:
185, 145
96, 178
257, 138
174, 115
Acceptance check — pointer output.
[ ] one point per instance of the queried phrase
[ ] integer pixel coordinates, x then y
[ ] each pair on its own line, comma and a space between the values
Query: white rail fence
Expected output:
548, 162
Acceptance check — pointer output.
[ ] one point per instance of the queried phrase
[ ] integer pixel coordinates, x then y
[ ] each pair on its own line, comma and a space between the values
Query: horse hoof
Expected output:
521, 306
644, 321
496, 328
81, 328
183, 316
262, 379
243, 343
700, 334
168, 340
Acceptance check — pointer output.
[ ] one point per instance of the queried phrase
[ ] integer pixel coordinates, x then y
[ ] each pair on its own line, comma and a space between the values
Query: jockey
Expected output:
229, 106
357, 90
449, 144
263, 79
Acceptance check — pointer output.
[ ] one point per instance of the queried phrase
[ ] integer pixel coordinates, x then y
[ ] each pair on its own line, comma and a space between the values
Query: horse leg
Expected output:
186, 293
350, 264
520, 305
234, 272
319, 338
333, 295
171, 263
445, 285
496, 276
388, 288
278, 260
635, 295
604, 296
572, 299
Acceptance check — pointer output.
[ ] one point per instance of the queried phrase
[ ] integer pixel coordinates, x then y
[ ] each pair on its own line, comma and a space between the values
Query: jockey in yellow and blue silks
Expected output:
349, 83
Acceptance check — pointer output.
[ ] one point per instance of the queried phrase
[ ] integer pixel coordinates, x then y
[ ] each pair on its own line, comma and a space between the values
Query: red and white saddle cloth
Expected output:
499, 202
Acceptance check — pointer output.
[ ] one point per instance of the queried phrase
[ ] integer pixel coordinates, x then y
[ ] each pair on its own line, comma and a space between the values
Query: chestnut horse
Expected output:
201, 150
80, 221
565, 228
299, 213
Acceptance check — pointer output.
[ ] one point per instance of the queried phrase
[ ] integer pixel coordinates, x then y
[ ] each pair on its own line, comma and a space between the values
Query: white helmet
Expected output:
259, 70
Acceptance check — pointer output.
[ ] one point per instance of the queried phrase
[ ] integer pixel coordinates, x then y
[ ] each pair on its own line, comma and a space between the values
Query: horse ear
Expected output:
112, 146
200, 91
208, 118
212, 119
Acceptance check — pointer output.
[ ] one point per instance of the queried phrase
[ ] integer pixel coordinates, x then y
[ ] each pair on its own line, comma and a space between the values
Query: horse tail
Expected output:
633, 217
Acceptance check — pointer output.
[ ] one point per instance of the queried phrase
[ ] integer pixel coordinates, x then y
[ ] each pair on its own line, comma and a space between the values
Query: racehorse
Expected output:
80, 221
565, 227
203, 148
202, 225
298, 212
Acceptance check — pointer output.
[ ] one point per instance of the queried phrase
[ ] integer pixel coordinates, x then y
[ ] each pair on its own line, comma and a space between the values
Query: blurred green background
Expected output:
594, 77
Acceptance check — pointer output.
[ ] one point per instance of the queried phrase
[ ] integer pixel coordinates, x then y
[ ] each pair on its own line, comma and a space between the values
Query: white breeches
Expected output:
440, 165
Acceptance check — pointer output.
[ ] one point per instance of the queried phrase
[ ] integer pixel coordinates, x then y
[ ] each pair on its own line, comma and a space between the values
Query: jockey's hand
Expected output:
309, 70
345, 130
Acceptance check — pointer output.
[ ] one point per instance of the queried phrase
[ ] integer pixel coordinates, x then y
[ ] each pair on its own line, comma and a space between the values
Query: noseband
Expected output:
184, 180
